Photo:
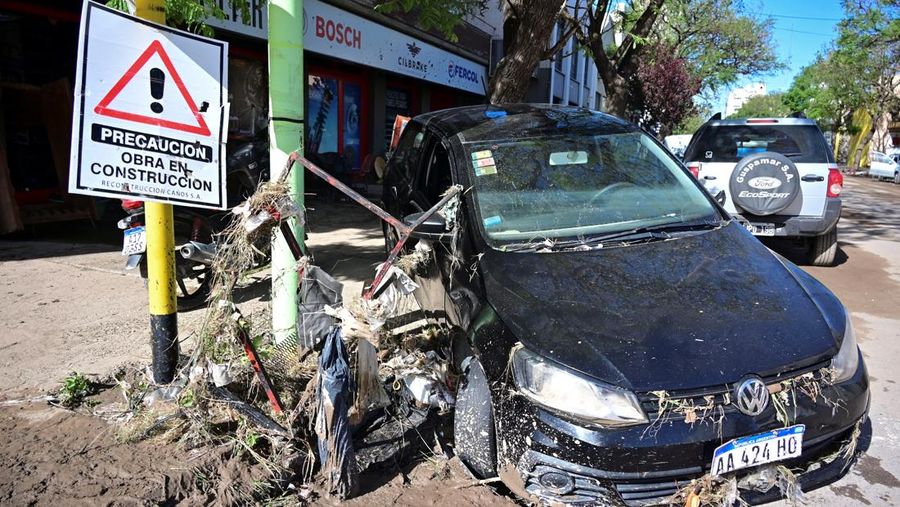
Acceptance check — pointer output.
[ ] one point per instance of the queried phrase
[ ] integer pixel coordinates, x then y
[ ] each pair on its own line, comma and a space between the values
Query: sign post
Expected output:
285, 134
151, 106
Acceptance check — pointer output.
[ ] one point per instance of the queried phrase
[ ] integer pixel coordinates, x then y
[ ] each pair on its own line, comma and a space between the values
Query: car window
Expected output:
572, 185
405, 158
730, 143
436, 178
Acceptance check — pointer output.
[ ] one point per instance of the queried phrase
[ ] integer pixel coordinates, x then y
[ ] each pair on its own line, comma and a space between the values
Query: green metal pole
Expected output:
285, 135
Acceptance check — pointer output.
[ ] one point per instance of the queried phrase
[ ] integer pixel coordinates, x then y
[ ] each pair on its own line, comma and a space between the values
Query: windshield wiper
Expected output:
646, 233
524, 247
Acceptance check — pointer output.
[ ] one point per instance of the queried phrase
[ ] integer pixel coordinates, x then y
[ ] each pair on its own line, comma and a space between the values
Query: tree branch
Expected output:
641, 29
572, 25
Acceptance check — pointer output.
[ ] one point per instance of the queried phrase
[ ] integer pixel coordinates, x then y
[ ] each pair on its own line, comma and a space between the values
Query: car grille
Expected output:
720, 396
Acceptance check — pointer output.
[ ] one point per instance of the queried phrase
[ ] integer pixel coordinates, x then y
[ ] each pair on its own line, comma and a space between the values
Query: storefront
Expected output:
360, 73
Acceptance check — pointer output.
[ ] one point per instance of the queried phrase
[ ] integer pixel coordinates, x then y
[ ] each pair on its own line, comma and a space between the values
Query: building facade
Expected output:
738, 96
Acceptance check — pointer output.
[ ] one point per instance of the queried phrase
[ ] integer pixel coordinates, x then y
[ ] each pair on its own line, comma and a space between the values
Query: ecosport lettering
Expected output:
764, 195
338, 32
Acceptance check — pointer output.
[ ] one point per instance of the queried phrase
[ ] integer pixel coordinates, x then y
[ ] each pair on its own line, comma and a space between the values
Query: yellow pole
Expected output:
160, 258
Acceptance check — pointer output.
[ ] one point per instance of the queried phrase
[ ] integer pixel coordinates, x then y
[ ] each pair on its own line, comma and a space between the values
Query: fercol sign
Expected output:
151, 103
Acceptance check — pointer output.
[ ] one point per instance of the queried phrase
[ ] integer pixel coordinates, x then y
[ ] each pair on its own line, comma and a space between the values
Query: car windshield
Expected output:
579, 185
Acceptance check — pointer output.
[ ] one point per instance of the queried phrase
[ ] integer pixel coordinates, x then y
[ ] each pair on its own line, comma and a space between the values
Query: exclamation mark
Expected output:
157, 85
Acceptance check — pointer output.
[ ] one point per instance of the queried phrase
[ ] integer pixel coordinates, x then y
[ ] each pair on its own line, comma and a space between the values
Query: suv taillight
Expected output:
835, 182
694, 168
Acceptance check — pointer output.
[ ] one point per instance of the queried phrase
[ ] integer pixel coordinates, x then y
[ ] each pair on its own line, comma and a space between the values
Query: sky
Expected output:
802, 29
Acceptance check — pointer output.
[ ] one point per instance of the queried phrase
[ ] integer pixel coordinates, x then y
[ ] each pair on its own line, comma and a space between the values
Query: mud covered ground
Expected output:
67, 306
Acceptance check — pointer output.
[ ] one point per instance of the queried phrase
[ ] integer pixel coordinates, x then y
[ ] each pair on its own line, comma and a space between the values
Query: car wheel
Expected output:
897, 178
473, 421
822, 249
390, 238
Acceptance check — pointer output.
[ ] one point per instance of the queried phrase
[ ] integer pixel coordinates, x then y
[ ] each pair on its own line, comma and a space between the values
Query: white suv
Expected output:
776, 175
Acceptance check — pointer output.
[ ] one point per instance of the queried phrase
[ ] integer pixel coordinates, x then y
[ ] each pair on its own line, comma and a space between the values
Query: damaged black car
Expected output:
622, 340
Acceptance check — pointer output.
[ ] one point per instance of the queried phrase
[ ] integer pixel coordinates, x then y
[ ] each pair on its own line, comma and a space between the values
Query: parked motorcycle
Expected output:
196, 229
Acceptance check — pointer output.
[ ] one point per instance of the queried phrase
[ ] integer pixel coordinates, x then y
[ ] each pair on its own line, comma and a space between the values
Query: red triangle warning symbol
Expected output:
156, 48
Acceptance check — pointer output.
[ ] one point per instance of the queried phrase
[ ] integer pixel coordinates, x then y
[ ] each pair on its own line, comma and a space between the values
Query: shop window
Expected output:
322, 110
397, 102
249, 96
336, 122
352, 107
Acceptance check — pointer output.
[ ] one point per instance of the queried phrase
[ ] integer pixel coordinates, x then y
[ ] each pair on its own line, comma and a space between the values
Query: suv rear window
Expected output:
730, 143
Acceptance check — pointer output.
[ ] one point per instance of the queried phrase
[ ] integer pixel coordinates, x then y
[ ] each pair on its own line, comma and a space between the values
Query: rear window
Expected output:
730, 143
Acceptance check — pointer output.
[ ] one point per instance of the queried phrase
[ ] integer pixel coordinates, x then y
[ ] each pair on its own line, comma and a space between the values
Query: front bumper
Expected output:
799, 225
564, 462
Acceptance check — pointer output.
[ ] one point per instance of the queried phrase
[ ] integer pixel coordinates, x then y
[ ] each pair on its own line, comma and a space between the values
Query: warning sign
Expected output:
151, 105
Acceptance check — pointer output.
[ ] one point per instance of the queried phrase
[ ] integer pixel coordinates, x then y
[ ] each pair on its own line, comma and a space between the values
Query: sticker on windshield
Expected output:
492, 221
486, 170
483, 162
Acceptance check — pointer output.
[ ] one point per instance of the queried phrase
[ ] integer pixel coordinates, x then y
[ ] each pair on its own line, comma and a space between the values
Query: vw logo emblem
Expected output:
751, 396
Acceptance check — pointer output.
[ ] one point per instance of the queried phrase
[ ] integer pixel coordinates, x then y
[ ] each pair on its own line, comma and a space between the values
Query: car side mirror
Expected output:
434, 228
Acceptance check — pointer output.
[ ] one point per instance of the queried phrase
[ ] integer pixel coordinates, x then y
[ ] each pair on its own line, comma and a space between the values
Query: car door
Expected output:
448, 287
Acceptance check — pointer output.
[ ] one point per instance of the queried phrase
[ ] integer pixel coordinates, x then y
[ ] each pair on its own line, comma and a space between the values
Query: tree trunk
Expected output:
861, 147
616, 96
531, 26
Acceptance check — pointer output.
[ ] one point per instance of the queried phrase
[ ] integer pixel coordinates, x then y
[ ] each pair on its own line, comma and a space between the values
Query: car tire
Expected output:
473, 422
756, 174
897, 178
823, 248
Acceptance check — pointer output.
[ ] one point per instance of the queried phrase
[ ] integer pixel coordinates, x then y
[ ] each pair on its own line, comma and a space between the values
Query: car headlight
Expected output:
845, 363
556, 388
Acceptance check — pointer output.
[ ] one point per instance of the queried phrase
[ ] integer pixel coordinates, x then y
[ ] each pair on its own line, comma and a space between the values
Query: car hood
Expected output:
687, 313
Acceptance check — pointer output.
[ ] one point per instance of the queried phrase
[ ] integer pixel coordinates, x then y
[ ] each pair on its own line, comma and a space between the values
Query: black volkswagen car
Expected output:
622, 339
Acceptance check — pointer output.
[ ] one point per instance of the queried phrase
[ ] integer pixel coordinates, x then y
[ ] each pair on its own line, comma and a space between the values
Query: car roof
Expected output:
508, 121
762, 121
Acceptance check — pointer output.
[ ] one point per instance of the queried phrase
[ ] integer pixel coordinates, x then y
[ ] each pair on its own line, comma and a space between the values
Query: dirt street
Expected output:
68, 306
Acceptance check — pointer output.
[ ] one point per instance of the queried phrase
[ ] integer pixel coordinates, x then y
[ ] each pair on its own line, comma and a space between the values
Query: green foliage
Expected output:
720, 41
763, 106
441, 15
857, 72
75, 388
692, 123
191, 15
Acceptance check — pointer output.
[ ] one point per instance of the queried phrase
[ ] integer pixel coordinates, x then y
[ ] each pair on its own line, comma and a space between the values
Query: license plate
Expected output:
755, 450
761, 229
135, 241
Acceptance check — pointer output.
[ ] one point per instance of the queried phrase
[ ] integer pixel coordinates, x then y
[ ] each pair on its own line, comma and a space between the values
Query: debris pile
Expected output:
304, 416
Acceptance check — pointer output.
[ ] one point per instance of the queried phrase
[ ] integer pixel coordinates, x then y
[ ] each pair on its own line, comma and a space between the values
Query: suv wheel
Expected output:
473, 421
897, 178
822, 249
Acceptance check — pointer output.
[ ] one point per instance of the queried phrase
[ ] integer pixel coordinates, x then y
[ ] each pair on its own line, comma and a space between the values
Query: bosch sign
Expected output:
462, 73
339, 33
